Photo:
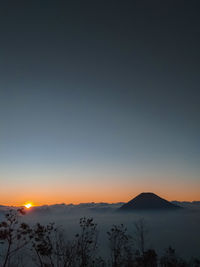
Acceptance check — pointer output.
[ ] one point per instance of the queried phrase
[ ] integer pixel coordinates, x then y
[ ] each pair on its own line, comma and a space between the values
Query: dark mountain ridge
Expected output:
148, 201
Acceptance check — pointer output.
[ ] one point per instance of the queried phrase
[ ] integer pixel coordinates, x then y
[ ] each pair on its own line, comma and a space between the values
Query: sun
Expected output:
28, 205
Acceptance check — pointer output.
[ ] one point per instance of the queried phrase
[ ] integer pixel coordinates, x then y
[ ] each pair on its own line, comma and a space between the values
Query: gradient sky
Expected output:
99, 100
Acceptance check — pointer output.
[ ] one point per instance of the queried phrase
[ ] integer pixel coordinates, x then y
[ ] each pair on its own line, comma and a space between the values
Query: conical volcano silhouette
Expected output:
148, 201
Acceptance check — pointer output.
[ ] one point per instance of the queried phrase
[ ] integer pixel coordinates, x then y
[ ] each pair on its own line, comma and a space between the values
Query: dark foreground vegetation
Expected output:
46, 246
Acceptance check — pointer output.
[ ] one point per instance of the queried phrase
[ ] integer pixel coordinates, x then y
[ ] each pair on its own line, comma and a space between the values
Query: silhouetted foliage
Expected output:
195, 262
171, 260
13, 235
140, 234
49, 247
120, 247
146, 259
42, 243
86, 242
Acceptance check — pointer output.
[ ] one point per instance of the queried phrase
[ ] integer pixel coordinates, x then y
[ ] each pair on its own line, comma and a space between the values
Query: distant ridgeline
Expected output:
148, 201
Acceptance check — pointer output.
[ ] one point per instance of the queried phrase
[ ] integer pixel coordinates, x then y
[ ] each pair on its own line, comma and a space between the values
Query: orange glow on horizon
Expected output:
96, 185
51, 199
109, 191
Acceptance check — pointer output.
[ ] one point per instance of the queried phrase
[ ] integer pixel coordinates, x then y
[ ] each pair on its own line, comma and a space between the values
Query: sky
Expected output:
99, 100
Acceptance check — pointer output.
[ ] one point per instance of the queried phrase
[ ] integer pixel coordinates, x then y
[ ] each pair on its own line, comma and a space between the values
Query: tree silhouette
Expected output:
140, 234
86, 242
170, 259
42, 243
13, 235
50, 248
120, 247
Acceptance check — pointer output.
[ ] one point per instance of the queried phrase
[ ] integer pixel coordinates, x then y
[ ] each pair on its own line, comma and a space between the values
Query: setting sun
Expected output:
28, 205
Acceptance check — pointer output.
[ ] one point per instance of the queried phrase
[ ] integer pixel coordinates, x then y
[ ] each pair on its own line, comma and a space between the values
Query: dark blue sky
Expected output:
99, 95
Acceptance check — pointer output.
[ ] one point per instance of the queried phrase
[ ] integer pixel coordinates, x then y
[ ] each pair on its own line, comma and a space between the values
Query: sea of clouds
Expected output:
179, 229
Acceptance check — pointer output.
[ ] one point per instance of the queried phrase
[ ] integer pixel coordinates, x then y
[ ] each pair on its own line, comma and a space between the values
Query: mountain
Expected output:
148, 201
